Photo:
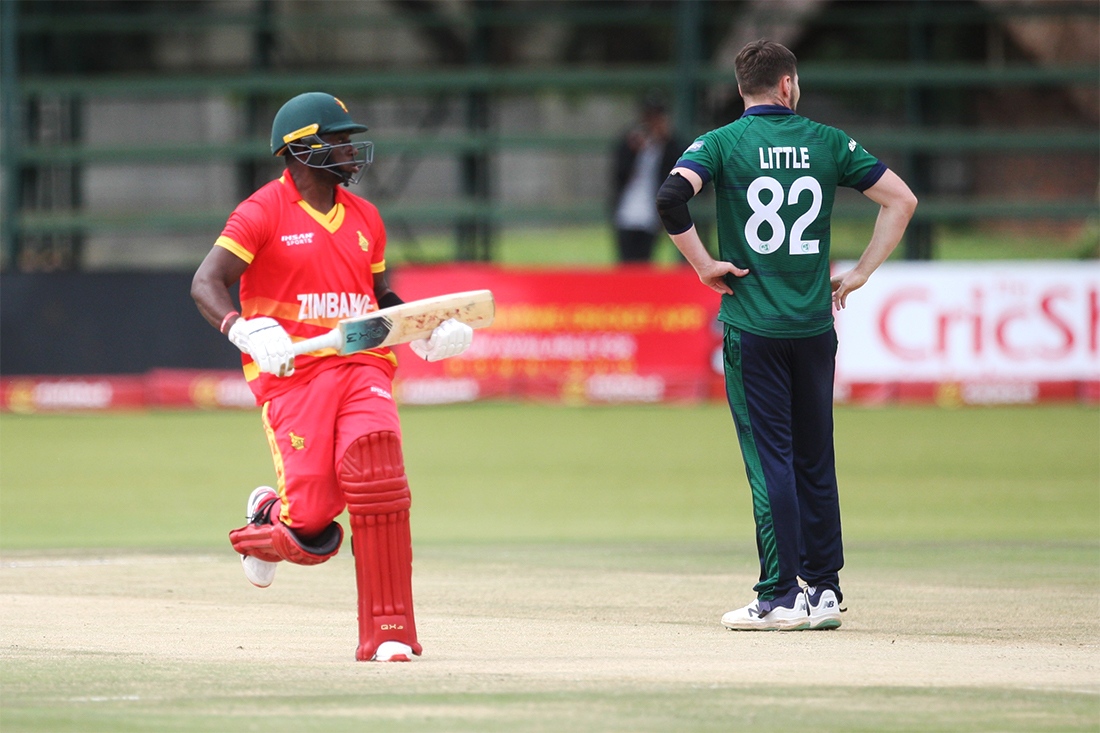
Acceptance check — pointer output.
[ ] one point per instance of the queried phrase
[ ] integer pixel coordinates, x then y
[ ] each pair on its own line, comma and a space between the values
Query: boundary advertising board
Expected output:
944, 333
634, 334
996, 332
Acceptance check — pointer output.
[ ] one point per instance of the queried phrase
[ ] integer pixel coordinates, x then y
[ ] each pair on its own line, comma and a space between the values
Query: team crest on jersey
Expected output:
363, 243
297, 442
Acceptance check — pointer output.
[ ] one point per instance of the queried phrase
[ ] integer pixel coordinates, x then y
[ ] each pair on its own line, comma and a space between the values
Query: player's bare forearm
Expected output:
889, 229
210, 285
672, 204
711, 272
897, 204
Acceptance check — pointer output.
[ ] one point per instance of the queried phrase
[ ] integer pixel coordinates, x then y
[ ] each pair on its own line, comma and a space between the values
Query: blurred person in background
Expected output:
642, 159
775, 176
307, 253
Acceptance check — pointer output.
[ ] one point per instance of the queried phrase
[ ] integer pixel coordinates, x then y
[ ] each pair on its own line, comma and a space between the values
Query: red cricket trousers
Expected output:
309, 430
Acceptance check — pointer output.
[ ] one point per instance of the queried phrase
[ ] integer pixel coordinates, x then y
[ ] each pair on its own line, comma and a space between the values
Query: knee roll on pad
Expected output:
372, 475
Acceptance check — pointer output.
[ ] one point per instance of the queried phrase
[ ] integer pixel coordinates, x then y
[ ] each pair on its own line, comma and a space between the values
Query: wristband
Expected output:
225, 320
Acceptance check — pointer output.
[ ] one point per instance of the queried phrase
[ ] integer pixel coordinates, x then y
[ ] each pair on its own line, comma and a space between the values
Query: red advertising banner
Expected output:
160, 388
199, 388
633, 334
68, 394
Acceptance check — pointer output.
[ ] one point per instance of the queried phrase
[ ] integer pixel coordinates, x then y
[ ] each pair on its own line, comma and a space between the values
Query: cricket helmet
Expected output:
299, 125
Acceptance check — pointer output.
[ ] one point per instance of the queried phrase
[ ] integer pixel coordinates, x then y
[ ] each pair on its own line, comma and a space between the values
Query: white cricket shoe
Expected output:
779, 618
393, 651
259, 572
824, 608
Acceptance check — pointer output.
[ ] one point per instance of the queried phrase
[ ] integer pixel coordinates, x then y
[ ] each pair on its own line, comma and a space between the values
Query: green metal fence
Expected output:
684, 73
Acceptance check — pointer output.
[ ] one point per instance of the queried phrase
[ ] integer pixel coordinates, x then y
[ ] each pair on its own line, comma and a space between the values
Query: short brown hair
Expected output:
761, 64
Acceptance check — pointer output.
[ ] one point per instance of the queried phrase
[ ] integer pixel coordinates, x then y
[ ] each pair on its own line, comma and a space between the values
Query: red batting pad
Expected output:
275, 542
372, 475
254, 540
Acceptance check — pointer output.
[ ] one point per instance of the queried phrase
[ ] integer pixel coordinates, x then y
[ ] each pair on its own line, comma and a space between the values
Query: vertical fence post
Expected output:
263, 48
919, 236
9, 150
688, 54
475, 232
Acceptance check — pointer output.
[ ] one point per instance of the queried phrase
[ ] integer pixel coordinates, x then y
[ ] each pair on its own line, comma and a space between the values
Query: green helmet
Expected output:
298, 127
312, 113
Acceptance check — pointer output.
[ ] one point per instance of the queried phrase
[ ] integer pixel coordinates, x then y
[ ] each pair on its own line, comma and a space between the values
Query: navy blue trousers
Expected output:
780, 392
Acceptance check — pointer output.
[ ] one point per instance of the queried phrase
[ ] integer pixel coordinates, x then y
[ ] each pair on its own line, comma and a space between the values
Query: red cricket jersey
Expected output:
307, 270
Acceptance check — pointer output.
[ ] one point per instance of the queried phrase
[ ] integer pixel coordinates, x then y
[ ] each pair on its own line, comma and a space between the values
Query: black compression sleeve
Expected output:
672, 200
389, 300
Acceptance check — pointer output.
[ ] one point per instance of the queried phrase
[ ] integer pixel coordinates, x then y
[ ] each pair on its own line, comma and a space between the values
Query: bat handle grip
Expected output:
330, 340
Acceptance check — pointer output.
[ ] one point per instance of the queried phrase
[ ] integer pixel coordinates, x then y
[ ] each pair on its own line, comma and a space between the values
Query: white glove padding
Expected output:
266, 342
449, 338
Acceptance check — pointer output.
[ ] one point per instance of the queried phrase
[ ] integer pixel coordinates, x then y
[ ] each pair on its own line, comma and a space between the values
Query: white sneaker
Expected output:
259, 572
393, 651
780, 618
824, 608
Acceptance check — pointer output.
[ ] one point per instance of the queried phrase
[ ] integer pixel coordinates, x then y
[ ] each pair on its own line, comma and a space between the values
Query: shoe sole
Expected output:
825, 624
770, 627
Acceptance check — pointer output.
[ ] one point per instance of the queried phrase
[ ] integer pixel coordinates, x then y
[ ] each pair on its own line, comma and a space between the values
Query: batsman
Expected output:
307, 253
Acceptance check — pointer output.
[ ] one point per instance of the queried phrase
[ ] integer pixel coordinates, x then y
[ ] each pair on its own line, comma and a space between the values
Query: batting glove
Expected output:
449, 338
266, 342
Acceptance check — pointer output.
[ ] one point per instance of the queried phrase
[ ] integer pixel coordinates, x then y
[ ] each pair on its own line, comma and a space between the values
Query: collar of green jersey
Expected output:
768, 109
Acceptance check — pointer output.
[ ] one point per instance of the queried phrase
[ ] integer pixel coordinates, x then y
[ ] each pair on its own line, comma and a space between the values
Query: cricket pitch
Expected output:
538, 637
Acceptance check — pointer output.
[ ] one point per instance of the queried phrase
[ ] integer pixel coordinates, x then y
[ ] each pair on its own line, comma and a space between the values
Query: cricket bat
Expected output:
402, 323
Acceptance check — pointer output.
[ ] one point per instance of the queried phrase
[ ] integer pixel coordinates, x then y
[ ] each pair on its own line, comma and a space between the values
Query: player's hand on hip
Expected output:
266, 342
713, 275
449, 338
843, 284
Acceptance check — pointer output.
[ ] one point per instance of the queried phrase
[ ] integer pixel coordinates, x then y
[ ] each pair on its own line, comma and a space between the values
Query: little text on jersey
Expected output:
784, 157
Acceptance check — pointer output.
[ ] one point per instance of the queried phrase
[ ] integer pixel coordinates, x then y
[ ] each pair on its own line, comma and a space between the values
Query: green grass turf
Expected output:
700, 710
496, 472
976, 498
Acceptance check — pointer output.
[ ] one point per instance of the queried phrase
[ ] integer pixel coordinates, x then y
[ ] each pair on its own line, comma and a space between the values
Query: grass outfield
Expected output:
571, 566
518, 473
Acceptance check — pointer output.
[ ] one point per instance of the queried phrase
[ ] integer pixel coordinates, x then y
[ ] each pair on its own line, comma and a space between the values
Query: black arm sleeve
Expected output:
672, 204
389, 300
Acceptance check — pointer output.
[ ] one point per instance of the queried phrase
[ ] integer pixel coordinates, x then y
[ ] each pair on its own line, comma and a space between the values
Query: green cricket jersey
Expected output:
775, 176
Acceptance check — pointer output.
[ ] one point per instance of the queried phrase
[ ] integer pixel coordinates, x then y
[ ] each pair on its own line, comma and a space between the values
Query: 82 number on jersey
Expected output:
768, 213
